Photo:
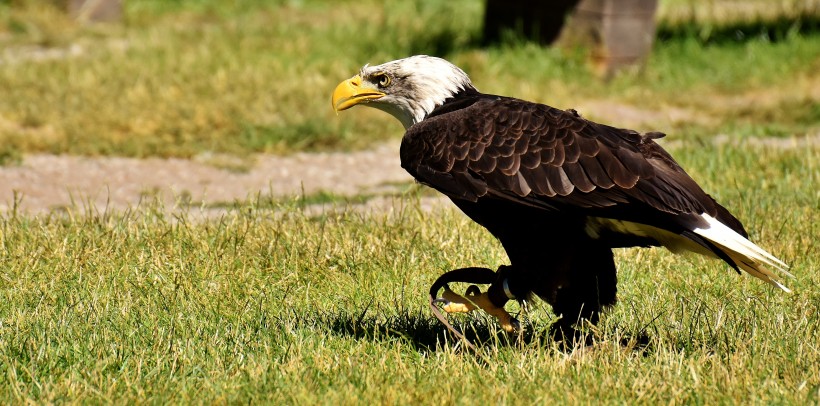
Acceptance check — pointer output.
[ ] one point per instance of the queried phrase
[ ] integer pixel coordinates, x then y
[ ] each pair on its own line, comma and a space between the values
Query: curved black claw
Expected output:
482, 276
516, 325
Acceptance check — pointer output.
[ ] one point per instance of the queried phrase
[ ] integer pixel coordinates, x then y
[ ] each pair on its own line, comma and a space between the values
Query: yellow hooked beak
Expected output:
352, 92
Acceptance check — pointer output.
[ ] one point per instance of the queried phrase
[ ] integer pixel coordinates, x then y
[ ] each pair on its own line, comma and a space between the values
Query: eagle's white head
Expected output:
408, 88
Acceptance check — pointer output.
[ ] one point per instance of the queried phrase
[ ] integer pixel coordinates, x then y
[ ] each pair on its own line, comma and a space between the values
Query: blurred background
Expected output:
181, 78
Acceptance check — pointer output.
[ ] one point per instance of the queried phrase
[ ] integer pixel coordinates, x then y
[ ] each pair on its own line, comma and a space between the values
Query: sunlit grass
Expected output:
271, 303
185, 78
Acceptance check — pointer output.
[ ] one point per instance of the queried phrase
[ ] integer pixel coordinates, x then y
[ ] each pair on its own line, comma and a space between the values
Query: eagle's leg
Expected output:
579, 285
589, 288
473, 298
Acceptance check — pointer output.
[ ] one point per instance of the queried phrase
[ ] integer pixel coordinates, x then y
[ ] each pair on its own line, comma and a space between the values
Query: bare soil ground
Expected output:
47, 182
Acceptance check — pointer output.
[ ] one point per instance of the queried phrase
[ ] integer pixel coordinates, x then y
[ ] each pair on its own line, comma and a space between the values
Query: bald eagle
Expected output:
558, 191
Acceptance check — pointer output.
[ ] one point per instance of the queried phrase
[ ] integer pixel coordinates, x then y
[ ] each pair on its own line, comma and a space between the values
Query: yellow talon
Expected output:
456, 303
461, 304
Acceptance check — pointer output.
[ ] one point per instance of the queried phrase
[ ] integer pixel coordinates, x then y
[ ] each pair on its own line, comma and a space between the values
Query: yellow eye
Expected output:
383, 80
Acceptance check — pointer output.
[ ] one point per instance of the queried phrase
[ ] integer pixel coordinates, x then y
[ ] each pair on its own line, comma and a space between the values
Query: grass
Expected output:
271, 304
189, 78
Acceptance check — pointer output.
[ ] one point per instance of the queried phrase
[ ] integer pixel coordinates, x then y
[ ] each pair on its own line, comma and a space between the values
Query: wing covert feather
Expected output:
547, 158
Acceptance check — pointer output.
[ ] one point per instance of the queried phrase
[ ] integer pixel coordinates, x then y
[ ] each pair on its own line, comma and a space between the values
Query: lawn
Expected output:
274, 303
182, 78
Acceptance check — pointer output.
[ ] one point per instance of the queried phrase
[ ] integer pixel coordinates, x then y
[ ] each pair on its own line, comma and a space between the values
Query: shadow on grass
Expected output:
446, 41
424, 333
770, 29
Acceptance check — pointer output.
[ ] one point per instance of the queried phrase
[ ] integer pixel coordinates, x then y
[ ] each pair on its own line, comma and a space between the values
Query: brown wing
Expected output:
540, 156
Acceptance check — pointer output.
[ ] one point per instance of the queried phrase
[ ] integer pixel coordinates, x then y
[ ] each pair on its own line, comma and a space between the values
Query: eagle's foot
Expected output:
473, 298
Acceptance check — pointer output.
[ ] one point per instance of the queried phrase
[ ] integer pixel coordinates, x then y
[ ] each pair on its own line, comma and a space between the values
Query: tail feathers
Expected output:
745, 254
730, 220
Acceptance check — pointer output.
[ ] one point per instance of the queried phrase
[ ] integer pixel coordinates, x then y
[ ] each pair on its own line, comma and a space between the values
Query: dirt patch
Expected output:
49, 182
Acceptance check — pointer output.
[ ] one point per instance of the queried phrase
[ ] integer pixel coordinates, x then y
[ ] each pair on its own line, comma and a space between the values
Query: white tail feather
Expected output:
743, 252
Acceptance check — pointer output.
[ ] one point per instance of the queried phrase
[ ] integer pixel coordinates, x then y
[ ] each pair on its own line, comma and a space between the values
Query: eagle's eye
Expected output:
382, 79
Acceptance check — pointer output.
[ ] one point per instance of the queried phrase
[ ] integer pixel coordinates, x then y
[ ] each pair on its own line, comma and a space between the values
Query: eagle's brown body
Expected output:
557, 190
534, 175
